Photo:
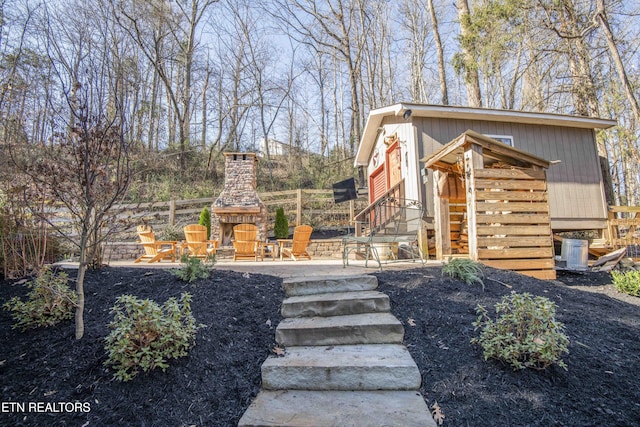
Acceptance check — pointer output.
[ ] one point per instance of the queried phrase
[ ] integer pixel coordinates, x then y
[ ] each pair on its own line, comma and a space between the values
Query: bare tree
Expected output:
152, 25
375, 35
414, 19
86, 171
333, 27
467, 60
442, 74
269, 93
601, 20
572, 28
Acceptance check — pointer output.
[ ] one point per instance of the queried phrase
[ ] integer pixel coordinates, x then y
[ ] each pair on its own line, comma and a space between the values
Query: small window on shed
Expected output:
505, 139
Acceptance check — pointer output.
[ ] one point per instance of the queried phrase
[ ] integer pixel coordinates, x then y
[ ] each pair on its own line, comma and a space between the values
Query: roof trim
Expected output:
468, 113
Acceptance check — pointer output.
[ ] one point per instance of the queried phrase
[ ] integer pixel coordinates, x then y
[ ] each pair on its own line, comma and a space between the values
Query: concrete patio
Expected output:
288, 268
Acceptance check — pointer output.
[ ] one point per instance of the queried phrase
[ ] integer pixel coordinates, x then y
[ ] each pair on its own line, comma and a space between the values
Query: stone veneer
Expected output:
129, 251
238, 202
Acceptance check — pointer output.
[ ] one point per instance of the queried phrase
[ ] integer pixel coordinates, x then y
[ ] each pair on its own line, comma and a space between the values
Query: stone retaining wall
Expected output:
129, 251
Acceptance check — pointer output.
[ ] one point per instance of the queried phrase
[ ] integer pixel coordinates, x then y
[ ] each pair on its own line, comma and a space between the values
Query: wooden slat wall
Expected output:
513, 221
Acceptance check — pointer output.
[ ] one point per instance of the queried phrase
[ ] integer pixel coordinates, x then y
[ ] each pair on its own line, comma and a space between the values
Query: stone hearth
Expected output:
238, 202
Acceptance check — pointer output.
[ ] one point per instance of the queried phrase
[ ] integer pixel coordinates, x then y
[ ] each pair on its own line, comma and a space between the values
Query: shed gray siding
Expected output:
576, 193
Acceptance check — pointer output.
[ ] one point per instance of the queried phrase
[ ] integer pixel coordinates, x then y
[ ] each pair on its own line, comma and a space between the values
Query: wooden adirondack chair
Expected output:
296, 248
154, 250
245, 241
196, 242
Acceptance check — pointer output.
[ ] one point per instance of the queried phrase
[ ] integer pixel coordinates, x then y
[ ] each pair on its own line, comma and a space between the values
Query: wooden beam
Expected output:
511, 231
514, 242
441, 218
515, 253
512, 207
511, 174
513, 218
521, 264
237, 209
540, 274
521, 196
473, 162
624, 208
511, 184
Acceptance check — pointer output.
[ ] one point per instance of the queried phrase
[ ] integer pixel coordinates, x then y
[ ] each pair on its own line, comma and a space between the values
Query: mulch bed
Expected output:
217, 381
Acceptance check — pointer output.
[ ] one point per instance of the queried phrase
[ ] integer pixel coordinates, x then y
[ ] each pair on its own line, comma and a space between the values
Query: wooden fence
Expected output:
313, 207
623, 226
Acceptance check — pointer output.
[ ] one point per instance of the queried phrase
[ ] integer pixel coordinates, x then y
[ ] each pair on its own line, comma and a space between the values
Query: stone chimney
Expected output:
239, 202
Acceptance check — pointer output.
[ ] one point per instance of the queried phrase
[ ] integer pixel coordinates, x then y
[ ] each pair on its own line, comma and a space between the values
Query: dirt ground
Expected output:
239, 312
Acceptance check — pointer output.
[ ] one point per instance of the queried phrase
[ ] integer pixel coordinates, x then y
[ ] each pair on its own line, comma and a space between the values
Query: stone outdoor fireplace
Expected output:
239, 202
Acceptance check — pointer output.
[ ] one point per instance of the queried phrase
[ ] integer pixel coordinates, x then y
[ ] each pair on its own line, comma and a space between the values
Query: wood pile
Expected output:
458, 226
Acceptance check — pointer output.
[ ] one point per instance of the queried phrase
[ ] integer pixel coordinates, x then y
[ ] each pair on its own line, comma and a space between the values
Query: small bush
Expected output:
145, 335
49, 302
627, 282
525, 335
281, 225
193, 268
205, 219
171, 232
468, 271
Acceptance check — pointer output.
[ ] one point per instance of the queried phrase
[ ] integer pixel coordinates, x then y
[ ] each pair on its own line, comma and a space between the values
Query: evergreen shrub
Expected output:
281, 226
205, 219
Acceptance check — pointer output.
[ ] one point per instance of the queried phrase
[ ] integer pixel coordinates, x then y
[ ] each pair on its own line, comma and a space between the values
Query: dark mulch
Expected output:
216, 382
211, 387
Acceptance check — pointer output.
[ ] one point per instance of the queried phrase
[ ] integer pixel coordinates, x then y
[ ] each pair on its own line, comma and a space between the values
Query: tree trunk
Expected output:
151, 136
602, 21
442, 74
354, 132
79, 317
203, 135
471, 77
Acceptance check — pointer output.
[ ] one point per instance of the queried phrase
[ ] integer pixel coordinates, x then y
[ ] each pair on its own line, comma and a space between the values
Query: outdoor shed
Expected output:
398, 136
502, 207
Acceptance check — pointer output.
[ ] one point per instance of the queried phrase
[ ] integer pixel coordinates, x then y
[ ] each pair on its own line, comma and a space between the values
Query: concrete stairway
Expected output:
344, 362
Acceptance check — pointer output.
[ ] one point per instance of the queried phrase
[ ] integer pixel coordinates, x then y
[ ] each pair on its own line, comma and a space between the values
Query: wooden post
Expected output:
172, 212
442, 220
299, 206
472, 160
352, 211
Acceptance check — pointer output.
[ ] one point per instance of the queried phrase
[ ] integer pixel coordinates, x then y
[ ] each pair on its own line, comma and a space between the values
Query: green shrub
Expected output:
193, 268
49, 302
281, 226
468, 271
627, 282
145, 335
205, 219
525, 335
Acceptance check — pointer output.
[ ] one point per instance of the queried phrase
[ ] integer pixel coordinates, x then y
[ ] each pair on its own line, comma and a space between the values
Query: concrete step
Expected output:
342, 367
320, 285
335, 304
369, 328
304, 408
